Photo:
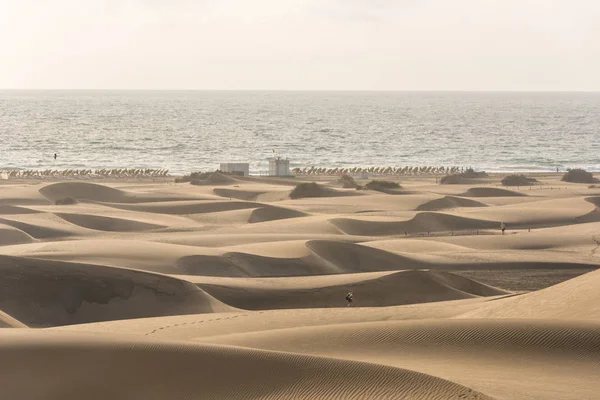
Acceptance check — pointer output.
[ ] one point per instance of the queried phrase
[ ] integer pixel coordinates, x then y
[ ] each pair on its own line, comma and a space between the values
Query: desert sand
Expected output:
228, 289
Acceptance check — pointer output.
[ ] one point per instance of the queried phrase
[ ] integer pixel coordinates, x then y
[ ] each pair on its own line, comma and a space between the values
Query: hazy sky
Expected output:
301, 44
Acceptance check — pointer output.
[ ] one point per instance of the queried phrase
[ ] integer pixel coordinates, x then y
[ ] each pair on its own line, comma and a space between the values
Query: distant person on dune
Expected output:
502, 227
55, 156
349, 298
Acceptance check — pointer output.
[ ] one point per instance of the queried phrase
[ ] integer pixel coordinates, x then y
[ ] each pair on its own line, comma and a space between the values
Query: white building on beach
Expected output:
236, 168
279, 167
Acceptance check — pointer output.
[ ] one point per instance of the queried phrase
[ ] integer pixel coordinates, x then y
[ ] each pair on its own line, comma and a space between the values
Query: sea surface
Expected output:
188, 131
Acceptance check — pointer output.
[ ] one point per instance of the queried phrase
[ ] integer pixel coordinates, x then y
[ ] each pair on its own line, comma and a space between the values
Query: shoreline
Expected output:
492, 176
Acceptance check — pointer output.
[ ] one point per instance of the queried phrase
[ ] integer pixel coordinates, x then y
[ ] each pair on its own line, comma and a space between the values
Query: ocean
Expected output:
188, 131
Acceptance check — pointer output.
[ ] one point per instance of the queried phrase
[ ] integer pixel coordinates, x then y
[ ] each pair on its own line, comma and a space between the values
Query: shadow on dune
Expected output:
246, 195
10, 235
326, 257
108, 224
406, 287
84, 191
329, 257
8, 209
35, 231
270, 213
491, 192
50, 293
188, 207
448, 202
577, 298
595, 200
422, 222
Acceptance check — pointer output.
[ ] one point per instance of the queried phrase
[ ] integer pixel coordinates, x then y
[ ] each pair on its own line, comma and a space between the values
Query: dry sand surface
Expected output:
229, 289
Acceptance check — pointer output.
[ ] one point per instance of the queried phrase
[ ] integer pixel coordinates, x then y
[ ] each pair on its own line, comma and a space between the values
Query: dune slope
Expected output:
110, 224
449, 202
504, 359
491, 192
11, 235
50, 293
387, 289
96, 368
422, 222
577, 298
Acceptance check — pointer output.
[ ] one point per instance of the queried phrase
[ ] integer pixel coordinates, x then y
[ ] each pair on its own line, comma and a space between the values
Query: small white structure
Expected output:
279, 167
236, 168
363, 175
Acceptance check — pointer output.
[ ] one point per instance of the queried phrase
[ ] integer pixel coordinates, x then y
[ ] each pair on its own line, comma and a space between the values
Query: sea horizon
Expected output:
196, 130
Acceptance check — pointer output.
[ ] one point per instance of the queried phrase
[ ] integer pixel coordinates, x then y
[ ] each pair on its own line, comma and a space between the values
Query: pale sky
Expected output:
300, 44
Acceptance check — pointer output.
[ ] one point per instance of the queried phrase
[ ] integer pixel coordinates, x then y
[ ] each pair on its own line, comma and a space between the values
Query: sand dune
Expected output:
309, 225
21, 195
16, 210
50, 293
580, 339
92, 214
350, 257
578, 298
419, 246
386, 289
264, 214
538, 239
373, 202
327, 191
246, 216
83, 191
246, 195
233, 238
541, 213
190, 327
555, 359
449, 202
163, 290
296, 257
286, 258
101, 193
188, 207
592, 216
525, 216
110, 224
10, 235
422, 222
143, 255
491, 192
594, 200
234, 264
45, 227
324, 257
186, 370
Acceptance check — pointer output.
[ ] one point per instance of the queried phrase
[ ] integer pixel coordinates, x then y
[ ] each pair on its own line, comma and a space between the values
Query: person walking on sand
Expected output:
502, 227
55, 156
349, 298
